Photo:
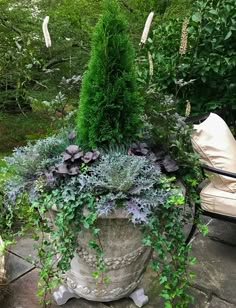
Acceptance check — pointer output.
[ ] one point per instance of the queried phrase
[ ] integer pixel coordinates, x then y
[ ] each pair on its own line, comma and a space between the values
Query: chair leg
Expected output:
191, 233
194, 226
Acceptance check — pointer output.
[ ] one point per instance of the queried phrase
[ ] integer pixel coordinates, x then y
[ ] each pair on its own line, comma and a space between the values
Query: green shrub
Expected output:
109, 107
210, 58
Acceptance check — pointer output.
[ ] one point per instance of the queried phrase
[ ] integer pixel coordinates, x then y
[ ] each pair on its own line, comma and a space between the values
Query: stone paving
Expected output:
213, 287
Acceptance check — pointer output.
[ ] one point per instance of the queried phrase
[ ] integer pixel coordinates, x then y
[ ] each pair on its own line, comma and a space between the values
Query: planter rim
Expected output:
119, 213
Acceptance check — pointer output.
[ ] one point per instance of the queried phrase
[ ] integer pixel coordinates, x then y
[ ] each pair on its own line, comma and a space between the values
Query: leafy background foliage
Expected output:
209, 60
29, 69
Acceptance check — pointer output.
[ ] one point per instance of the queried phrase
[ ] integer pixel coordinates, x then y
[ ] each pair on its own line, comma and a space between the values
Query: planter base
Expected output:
139, 298
64, 293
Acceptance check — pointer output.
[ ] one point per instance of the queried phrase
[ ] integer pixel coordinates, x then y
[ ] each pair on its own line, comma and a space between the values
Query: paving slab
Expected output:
22, 292
215, 267
222, 231
200, 298
16, 267
219, 303
81, 303
24, 247
155, 301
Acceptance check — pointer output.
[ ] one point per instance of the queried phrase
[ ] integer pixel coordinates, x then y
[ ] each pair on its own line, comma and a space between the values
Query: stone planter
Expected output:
125, 259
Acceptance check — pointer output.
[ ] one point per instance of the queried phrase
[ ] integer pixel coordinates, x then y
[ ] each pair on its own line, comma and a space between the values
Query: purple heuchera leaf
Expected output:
96, 154
62, 169
72, 149
169, 164
78, 155
152, 157
160, 154
89, 156
73, 171
139, 149
66, 156
72, 159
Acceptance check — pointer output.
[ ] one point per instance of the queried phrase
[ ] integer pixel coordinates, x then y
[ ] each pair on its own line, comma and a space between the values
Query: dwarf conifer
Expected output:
109, 108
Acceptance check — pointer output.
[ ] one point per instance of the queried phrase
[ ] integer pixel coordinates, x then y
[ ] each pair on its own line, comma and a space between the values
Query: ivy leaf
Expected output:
165, 295
168, 305
228, 35
155, 266
89, 220
192, 275
106, 279
95, 231
192, 260
95, 275
163, 279
147, 242
203, 229
92, 244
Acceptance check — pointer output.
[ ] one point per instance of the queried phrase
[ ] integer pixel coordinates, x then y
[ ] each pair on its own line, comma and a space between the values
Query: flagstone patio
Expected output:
213, 287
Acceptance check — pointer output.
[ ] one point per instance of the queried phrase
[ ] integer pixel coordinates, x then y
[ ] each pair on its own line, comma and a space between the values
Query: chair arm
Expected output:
219, 171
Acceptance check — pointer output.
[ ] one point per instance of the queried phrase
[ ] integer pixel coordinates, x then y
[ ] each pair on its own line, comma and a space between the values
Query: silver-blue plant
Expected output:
126, 180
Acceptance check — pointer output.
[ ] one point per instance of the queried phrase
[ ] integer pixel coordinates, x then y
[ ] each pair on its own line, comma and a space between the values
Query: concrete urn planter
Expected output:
125, 257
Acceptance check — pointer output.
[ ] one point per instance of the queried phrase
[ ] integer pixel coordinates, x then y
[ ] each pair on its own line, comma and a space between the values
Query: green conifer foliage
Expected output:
109, 108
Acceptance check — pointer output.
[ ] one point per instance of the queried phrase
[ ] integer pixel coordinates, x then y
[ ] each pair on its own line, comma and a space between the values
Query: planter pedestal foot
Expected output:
63, 294
139, 298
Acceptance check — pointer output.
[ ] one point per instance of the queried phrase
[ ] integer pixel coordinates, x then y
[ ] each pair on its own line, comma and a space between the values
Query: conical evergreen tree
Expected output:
109, 109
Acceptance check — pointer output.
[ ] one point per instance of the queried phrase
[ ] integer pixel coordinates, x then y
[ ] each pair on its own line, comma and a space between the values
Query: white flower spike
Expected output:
46, 33
150, 64
146, 28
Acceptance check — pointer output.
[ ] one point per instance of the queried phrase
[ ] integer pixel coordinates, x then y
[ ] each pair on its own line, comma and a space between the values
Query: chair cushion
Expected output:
218, 201
215, 144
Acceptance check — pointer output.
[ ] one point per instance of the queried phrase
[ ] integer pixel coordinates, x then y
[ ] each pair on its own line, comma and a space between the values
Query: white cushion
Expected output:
215, 144
218, 201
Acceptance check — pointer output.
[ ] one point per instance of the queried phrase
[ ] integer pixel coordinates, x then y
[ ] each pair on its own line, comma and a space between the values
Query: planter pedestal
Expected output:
63, 294
125, 260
